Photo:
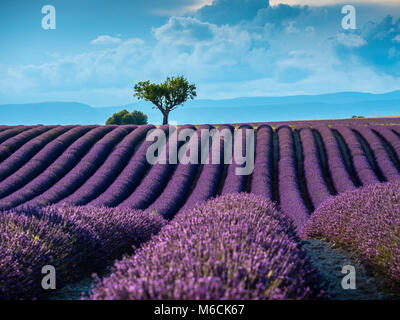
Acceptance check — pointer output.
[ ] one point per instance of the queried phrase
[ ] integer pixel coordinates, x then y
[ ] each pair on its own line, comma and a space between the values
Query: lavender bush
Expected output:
238, 246
367, 222
75, 240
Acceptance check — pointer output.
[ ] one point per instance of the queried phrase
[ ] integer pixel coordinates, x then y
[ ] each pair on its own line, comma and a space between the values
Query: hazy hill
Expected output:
254, 109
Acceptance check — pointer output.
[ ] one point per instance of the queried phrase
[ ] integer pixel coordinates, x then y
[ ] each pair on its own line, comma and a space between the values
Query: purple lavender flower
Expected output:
75, 240
237, 246
367, 222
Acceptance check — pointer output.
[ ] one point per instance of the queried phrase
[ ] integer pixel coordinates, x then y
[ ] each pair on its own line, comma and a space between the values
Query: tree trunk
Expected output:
165, 118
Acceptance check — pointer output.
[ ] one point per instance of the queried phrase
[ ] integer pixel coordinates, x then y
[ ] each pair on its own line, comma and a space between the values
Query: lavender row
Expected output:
292, 202
12, 144
41, 161
365, 221
340, 176
361, 165
156, 179
207, 184
175, 193
235, 183
261, 182
298, 124
396, 129
3, 127
83, 170
11, 132
390, 137
384, 163
56, 170
109, 170
28, 150
314, 176
128, 180
76, 241
234, 247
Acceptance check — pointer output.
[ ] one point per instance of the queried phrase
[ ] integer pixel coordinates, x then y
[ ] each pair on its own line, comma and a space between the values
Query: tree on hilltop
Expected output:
166, 96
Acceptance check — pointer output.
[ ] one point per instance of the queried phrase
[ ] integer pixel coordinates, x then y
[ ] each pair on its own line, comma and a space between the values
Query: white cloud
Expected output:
397, 38
349, 40
253, 59
188, 8
332, 2
184, 31
106, 40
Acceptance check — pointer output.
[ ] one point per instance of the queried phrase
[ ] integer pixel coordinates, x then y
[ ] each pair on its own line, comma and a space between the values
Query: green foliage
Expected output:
358, 117
124, 117
167, 95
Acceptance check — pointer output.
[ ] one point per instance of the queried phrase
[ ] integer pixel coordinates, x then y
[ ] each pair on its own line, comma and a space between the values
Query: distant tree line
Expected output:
358, 117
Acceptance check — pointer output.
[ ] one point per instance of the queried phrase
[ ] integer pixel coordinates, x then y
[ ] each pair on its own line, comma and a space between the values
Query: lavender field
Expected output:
85, 200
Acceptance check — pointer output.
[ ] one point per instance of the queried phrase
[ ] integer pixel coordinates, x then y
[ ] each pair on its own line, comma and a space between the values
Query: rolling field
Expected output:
299, 166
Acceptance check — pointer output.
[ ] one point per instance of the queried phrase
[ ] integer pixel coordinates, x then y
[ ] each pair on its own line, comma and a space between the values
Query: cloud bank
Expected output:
229, 49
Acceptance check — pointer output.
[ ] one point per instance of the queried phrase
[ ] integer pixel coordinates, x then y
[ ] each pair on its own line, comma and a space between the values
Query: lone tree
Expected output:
124, 117
166, 96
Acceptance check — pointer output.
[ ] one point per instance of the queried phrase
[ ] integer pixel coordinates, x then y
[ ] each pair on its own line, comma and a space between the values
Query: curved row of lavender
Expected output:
3, 127
86, 167
16, 160
316, 184
363, 169
340, 176
210, 175
367, 222
44, 158
384, 163
176, 191
261, 182
155, 181
56, 170
390, 138
237, 246
115, 172
75, 240
12, 144
97, 183
235, 183
11, 132
123, 186
292, 202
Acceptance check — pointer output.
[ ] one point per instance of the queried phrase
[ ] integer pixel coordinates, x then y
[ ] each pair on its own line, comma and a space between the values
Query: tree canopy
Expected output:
166, 96
124, 117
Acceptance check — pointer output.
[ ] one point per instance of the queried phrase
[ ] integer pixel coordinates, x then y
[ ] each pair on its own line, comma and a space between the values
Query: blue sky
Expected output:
229, 48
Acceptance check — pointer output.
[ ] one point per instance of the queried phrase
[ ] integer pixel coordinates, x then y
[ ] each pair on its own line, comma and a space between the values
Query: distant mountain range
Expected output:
253, 109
